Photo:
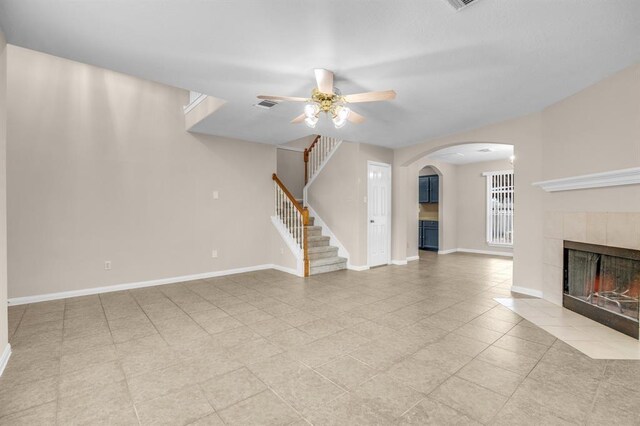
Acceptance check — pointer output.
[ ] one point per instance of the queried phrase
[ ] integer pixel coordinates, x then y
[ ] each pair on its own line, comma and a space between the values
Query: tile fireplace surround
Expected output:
608, 229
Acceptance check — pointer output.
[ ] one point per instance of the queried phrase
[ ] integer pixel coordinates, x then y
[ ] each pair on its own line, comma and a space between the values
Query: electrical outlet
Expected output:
107, 265
216, 195
214, 253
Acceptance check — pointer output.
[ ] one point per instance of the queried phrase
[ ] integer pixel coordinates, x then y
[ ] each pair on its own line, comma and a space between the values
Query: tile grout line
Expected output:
126, 382
325, 301
525, 378
64, 313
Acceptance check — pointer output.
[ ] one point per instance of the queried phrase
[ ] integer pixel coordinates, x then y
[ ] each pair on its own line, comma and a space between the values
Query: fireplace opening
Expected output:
603, 283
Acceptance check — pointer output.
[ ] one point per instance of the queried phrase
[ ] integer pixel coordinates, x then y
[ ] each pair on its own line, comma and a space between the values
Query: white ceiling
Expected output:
472, 153
452, 71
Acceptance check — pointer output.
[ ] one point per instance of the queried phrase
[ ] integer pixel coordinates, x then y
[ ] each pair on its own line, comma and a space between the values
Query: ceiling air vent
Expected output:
459, 4
266, 104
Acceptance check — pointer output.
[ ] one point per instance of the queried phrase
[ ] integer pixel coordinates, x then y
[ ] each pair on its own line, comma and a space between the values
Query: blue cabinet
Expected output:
428, 189
434, 187
423, 189
428, 234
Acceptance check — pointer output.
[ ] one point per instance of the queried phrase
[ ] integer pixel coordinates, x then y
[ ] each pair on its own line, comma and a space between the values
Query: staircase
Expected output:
295, 224
322, 256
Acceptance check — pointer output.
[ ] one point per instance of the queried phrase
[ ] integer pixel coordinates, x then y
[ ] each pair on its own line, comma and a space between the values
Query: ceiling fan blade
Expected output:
324, 78
283, 98
355, 118
371, 96
298, 119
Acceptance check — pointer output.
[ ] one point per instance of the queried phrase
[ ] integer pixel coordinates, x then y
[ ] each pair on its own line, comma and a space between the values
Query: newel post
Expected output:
306, 160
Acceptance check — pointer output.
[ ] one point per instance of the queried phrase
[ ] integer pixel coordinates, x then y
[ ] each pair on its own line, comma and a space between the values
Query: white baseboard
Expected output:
4, 359
128, 286
527, 291
447, 251
412, 258
287, 270
357, 268
489, 252
474, 251
399, 262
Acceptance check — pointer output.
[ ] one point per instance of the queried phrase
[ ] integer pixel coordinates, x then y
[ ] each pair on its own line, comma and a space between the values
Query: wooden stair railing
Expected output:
306, 159
294, 217
316, 154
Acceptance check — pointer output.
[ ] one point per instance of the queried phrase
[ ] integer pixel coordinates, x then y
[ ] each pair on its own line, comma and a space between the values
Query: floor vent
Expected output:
459, 4
266, 104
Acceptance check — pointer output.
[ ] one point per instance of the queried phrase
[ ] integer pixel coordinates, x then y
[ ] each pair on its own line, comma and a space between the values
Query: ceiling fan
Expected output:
326, 98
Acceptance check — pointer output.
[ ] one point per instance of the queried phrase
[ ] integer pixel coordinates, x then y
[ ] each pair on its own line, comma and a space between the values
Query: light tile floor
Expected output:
589, 337
419, 344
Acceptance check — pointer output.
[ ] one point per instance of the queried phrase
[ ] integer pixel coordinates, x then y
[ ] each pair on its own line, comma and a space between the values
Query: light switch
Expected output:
216, 195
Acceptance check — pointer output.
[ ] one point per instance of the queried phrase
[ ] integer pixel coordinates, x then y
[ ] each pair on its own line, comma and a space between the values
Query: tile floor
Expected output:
419, 344
589, 337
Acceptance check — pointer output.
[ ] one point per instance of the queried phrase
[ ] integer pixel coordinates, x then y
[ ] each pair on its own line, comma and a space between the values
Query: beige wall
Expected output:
101, 168
3, 194
333, 195
290, 170
462, 205
525, 134
338, 195
472, 205
595, 130
301, 143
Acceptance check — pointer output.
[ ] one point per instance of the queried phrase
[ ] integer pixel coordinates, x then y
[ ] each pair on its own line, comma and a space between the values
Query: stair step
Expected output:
326, 261
337, 264
314, 231
311, 220
322, 252
318, 241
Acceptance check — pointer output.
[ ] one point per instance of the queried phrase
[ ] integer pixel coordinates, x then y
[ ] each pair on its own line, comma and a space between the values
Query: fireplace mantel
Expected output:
594, 180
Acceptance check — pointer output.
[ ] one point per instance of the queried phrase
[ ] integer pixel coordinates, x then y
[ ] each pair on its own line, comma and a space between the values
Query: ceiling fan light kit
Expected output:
326, 98
332, 104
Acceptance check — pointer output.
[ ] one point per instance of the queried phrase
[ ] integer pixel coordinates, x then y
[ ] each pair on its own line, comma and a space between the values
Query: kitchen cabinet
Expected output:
428, 234
423, 189
434, 188
428, 189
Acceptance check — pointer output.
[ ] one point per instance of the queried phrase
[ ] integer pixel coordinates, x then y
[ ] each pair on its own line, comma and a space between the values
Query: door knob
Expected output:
372, 221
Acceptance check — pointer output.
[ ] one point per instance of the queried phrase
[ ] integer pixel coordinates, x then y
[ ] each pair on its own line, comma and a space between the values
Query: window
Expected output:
500, 208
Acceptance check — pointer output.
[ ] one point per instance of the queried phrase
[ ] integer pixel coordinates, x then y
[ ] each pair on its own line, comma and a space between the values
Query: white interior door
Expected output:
379, 213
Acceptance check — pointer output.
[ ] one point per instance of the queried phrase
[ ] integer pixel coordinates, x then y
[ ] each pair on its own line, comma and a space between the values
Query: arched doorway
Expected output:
460, 213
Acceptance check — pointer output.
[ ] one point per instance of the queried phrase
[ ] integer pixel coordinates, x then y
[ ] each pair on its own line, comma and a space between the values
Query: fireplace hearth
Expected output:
603, 284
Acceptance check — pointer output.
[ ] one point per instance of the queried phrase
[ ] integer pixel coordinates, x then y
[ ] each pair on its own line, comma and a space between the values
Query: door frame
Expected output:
389, 199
